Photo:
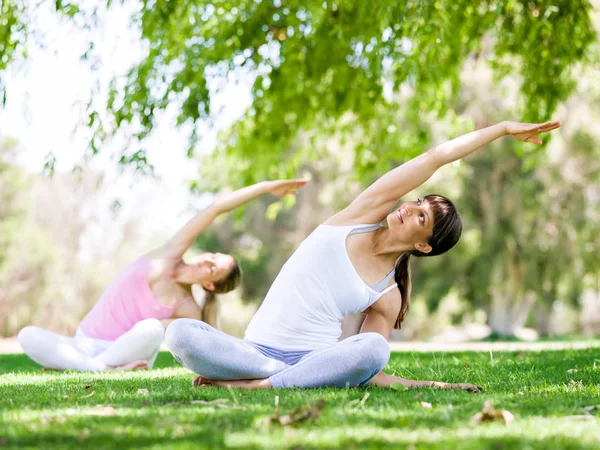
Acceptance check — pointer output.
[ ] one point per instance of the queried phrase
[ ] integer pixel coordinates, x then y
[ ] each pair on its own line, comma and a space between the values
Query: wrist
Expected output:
504, 127
266, 186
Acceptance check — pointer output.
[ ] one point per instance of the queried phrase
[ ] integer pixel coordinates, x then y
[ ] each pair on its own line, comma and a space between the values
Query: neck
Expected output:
383, 245
179, 273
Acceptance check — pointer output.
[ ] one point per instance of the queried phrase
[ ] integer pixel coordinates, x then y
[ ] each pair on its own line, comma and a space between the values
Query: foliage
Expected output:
548, 392
17, 28
334, 67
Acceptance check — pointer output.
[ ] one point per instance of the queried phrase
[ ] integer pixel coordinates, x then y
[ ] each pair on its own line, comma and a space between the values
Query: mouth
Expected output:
399, 214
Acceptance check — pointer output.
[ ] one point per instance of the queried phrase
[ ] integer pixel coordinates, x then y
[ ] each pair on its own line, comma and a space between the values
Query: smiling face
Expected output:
412, 224
211, 267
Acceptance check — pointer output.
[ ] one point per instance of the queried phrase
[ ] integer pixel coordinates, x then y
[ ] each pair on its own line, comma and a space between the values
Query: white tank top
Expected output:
314, 290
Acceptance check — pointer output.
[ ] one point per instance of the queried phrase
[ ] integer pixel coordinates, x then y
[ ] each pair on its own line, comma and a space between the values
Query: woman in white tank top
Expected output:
349, 264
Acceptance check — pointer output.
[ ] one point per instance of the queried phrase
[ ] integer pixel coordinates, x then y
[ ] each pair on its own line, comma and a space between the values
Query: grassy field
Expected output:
554, 396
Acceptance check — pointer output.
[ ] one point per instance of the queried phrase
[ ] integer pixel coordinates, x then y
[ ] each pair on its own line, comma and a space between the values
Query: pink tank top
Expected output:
126, 301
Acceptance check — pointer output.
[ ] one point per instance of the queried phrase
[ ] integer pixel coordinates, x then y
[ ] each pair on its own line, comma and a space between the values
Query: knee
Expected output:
27, 337
377, 351
177, 334
152, 328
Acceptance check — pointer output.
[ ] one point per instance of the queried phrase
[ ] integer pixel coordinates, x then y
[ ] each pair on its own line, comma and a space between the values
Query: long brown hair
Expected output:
210, 310
447, 228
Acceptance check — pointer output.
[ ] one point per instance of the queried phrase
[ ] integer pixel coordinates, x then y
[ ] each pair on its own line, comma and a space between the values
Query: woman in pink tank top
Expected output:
125, 328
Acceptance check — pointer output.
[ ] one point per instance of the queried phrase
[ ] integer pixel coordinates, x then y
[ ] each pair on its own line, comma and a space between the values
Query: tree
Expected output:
331, 66
334, 66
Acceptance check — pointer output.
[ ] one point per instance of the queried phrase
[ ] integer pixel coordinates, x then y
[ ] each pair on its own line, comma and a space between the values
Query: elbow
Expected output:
216, 208
435, 156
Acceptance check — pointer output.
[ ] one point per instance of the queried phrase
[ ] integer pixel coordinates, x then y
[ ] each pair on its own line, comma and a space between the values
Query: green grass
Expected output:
58, 410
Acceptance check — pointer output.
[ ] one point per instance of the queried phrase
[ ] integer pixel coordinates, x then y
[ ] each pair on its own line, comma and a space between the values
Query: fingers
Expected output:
533, 140
295, 183
549, 126
543, 127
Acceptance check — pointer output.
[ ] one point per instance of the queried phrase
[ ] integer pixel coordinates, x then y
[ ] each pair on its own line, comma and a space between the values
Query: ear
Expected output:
423, 247
208, 286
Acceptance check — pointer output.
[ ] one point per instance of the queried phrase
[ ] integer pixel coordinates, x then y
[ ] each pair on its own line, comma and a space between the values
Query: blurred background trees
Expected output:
342, 92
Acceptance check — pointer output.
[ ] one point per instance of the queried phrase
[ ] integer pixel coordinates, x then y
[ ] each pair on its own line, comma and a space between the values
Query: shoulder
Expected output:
364, 209
389, 304
157, 266
344, 218
189, 310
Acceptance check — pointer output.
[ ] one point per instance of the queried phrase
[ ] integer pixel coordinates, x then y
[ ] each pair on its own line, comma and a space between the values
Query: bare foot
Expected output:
141, 364
243, 384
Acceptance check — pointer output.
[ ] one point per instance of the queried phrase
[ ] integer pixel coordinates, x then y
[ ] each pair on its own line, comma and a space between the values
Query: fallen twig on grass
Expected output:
301, 414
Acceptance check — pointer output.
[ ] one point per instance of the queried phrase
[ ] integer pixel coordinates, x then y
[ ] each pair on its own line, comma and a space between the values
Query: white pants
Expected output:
86, 354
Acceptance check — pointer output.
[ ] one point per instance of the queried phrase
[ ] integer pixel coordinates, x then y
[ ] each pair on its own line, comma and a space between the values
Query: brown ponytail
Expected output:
402, 278
210, 309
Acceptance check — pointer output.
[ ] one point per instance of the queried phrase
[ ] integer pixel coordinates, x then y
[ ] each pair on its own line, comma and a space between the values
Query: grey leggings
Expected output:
219, 356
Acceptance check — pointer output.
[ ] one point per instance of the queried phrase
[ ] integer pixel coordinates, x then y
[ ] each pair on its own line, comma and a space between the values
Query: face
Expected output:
412, 223
212, 267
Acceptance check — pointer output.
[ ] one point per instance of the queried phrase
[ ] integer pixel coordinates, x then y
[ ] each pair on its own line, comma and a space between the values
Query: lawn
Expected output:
553, 395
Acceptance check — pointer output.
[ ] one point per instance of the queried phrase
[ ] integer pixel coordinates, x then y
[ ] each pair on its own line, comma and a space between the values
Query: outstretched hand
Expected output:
526, 131
285, 187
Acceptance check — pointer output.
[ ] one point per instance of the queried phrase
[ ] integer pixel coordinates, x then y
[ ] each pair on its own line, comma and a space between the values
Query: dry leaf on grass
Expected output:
426, 405
298, 415
519, 394
142, 391
490, 414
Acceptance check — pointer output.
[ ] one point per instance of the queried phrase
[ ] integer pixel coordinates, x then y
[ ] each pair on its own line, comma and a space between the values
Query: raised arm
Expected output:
375, 202
185, 237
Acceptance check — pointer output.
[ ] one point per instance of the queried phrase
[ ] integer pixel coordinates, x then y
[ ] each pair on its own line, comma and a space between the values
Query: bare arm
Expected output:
375, 202
380, 319
185, 237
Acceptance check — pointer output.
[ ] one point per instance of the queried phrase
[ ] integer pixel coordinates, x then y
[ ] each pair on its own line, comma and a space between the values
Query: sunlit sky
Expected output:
46, 98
